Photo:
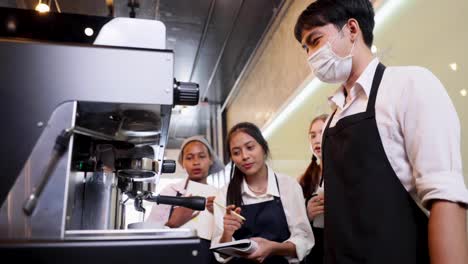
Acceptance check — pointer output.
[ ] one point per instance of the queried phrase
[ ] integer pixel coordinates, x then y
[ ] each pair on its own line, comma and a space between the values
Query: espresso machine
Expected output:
84, 129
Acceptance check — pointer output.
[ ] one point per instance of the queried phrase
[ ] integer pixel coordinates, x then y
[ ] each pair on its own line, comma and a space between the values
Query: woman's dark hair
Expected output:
337, 12
234, 195
310, 180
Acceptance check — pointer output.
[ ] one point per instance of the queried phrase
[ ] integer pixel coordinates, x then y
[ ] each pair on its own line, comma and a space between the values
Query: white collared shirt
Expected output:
203, 223
293, 205
160, 212
418, 126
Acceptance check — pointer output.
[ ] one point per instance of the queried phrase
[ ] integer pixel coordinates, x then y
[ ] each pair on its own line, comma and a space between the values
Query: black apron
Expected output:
266, 220
369, 215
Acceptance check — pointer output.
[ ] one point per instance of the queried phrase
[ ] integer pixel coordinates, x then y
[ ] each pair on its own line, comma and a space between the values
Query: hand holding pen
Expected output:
234, 212
232, 221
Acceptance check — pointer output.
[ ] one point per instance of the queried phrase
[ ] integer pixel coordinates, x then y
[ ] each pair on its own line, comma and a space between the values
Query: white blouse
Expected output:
293, 203
203, 223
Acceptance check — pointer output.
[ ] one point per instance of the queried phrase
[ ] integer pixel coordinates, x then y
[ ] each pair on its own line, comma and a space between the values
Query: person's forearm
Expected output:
447, 233
284, 249
171, 225
225, 238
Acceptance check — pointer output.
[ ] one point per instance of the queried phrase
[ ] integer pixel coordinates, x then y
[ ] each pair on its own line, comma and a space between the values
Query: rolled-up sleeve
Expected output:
432, 139
296, 216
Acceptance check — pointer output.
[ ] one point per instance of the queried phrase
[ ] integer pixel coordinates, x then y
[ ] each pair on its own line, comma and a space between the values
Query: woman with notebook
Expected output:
272, 204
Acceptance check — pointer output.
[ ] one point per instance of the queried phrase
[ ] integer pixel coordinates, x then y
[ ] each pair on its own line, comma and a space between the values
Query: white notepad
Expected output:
238, 248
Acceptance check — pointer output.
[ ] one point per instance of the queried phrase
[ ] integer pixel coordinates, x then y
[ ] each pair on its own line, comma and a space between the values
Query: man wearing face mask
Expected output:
391, 149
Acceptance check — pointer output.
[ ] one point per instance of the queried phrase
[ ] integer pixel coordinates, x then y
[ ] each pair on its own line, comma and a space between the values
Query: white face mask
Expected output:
328, 66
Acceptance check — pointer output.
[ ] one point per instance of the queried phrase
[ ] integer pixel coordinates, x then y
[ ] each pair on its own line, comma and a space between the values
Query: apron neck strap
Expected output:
375, 87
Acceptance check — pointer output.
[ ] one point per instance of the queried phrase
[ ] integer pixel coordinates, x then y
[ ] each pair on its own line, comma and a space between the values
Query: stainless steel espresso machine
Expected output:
84, 129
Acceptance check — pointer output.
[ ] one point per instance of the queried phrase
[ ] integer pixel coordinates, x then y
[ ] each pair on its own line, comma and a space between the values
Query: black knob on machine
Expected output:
186, 93
168, 166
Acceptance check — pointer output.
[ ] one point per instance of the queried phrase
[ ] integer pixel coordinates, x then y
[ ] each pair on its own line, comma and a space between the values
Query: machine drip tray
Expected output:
130, 234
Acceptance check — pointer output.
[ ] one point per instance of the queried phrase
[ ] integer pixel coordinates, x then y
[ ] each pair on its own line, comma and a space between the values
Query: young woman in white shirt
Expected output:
198, 159
312, 188
272, 204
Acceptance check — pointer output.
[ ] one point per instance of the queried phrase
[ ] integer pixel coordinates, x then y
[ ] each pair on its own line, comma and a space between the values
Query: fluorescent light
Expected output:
298, 101
42, 8
453, 66
389, 7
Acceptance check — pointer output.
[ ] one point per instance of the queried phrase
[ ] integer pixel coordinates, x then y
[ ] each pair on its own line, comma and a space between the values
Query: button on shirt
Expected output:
293, 203
418, 126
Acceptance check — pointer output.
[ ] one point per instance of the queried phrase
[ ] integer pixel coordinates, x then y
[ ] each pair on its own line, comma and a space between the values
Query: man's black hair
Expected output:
337, 12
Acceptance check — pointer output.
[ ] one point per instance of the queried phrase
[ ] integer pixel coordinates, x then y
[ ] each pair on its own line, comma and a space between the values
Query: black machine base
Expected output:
104, 251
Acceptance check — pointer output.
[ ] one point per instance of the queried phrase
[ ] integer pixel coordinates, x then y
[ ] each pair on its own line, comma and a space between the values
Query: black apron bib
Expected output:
369, 215
266, 220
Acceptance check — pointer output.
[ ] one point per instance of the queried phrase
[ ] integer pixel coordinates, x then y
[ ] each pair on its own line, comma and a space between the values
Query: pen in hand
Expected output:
232, 212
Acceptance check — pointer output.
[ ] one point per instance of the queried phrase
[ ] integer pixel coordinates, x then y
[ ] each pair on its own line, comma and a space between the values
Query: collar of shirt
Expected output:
364, 83
272, 188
